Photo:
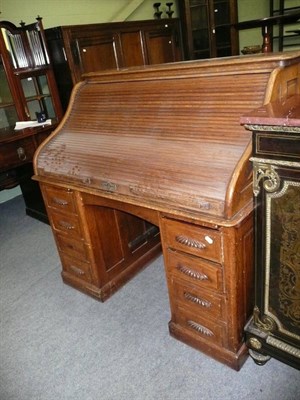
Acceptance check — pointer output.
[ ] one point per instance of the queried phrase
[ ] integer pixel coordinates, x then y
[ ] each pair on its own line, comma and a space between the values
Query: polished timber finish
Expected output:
274, 329
164, 144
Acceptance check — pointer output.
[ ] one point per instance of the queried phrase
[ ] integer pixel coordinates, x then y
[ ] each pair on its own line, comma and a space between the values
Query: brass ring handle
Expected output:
21, 153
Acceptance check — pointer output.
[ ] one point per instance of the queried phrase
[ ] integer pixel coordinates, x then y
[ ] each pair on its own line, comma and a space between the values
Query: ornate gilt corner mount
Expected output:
267, 172
264, 323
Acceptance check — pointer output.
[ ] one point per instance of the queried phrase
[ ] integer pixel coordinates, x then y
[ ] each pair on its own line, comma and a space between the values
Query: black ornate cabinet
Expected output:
274, 329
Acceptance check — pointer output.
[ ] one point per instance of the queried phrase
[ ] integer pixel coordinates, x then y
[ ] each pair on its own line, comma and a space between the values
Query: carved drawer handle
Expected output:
192, 274
189, 242
66, 225
77, 270
60, 202
197, 300
200, 328
21, 153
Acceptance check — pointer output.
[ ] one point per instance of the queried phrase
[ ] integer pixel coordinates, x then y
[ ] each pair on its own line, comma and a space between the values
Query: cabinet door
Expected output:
162, 45
133, 53
277, 249
223, 34
95, 53
208, 28
8, 112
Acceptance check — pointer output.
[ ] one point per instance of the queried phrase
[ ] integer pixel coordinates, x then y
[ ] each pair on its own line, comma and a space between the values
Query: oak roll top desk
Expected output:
153, 157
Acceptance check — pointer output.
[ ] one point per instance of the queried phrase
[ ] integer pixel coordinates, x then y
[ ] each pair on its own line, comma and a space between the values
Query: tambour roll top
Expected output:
168, 136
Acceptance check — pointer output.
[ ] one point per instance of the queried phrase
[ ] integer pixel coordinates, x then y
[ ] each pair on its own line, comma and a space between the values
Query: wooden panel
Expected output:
97, 54
108, 234
162, 45
133, 52
118, 238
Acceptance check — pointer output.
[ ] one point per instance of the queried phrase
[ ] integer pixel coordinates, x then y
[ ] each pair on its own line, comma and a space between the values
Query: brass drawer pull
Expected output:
59, 202
66, 225
190, 242
197, 300
21, 153
200, 328
192, 274
77, 270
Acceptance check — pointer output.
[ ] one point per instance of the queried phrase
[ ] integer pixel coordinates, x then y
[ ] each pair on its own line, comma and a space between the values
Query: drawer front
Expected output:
68, 223
195, 270
192, 239
60, 199
282, 146
198, 301
71, 247
17, 152
206, 329
76, 267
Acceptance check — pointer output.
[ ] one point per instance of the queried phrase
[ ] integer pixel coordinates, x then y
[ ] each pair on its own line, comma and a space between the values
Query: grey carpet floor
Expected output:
58, 344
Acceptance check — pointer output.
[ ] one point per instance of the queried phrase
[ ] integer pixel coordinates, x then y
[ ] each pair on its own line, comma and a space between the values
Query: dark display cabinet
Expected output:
274, 329
27, 87
286, 35
208, 28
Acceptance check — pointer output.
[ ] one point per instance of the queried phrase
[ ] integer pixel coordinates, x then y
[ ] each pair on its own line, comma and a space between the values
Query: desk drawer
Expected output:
60, 199
67, 223
71, 247
284, 146
206, 329
200, 302
192, 239
16, 153
195, 270
76, 267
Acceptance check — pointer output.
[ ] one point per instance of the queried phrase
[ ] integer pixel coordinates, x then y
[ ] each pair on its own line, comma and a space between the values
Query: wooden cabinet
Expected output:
80, 49
27, 87
207, 28
274, 329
